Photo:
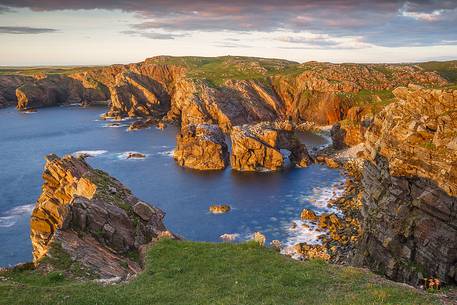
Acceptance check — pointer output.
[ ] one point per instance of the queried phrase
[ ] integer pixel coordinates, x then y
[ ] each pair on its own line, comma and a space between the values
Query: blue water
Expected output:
265, 202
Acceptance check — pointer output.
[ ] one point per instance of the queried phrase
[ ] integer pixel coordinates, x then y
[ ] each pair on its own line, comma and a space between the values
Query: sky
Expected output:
100, 32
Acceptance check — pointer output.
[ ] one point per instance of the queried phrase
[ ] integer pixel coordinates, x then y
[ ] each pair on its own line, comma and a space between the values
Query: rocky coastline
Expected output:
399, 205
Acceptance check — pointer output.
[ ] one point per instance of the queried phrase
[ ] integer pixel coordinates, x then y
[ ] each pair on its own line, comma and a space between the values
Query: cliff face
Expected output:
8, 85
51, 90
92, 218
201, 147
226, 91
410, 187
258, 147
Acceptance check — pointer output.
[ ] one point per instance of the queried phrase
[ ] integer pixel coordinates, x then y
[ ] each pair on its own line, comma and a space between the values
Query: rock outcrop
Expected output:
201, 147
258, 147
179, 89
8, 85
51, 90
93, 219
410, 187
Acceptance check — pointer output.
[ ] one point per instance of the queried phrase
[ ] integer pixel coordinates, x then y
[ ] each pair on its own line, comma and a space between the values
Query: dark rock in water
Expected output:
78, 214
142, 124
136, 155
201, 147
257, 147
410, 188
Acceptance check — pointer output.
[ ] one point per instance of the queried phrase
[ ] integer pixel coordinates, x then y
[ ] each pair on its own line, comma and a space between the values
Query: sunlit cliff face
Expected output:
102, 32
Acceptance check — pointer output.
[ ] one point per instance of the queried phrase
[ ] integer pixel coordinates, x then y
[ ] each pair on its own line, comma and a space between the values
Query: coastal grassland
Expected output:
29, 71
447, 69
182, 272
216, 70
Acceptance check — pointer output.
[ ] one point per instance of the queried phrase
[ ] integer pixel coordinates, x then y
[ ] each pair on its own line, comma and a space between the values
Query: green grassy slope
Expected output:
447, 69
208, 273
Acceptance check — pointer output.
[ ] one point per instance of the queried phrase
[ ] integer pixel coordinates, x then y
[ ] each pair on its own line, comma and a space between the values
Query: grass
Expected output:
46, 70
182, 272
447, 69
216, 70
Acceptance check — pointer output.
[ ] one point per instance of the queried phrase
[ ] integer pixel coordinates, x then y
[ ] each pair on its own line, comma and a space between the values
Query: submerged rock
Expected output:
201, 147
79, 215
136, 155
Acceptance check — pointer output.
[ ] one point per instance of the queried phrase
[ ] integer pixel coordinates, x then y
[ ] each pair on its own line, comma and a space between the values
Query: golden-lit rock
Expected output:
259, 238
201, 147
307, 214
92, 217
219, 208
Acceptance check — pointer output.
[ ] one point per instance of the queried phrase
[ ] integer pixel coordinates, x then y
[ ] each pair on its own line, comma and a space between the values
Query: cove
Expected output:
266, 202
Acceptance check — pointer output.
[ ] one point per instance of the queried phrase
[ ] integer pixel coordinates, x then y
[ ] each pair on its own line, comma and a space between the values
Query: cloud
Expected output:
384, 22
308, 40
25, 30
154, 35
4, 9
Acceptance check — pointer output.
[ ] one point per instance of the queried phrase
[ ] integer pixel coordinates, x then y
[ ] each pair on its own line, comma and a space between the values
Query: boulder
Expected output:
307, 214
259, 238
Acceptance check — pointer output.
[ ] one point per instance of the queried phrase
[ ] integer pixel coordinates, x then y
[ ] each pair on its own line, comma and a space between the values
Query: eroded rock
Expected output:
201, 147
80, 215
410, 182
257, 147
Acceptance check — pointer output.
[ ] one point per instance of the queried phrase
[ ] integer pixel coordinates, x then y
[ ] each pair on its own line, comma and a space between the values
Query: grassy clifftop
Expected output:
205, 273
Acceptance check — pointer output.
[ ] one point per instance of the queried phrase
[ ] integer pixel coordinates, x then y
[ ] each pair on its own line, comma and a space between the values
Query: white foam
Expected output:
167, 153
11, 217
91, 153
306, 231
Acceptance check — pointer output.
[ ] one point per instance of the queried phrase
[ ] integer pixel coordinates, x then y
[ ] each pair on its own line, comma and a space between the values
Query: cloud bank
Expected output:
389, 23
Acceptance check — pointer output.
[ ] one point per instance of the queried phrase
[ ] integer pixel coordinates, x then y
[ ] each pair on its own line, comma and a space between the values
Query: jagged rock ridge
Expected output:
93, 219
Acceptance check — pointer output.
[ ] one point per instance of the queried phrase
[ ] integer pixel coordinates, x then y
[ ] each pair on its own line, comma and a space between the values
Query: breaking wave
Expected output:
11, 217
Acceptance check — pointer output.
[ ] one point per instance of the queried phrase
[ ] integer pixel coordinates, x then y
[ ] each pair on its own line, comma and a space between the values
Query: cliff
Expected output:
410, 187
92, 219
227, 91
258, 147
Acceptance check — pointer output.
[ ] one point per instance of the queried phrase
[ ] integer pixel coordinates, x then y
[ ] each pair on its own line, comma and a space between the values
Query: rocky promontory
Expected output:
90, 219
202, 147
410, 187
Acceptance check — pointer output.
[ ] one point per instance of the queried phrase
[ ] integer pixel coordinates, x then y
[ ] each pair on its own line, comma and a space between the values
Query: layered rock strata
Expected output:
174, 88
258, 147
201, 147
410, 187
93, 219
